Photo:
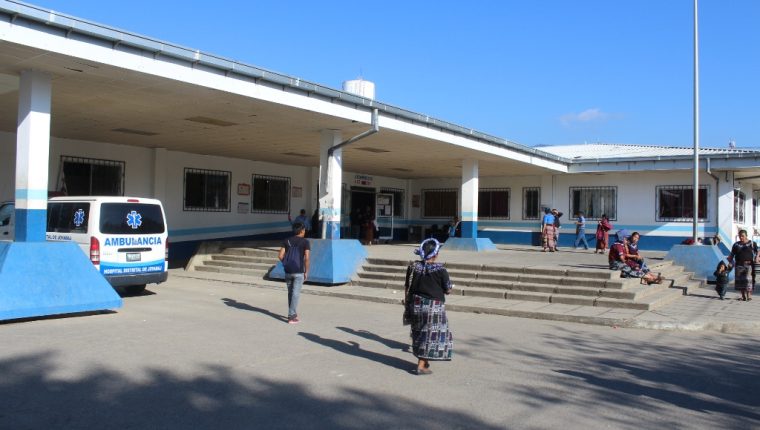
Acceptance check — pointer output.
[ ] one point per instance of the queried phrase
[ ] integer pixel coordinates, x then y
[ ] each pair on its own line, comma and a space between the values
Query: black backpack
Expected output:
291, 262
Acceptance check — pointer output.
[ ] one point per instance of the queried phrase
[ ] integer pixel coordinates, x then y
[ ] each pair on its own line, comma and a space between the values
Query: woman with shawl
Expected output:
427, 284
548, 231
602, 234
743, 257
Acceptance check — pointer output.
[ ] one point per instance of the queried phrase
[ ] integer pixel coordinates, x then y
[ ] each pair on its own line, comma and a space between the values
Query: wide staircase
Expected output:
582, 287
596, 287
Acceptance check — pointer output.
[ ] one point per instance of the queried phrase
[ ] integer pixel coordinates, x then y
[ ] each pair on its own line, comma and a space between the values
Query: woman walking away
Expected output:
721, 278
547, 231
602, 234
742, 257
427, 283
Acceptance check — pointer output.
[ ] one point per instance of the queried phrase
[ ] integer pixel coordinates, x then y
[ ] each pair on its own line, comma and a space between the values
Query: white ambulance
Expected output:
126, 238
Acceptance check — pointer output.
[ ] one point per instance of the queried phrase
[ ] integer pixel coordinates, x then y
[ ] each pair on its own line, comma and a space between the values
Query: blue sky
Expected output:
538, 72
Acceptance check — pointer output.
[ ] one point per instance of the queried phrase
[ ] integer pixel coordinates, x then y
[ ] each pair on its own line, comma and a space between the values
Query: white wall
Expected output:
636, 199
150, 172
141, 175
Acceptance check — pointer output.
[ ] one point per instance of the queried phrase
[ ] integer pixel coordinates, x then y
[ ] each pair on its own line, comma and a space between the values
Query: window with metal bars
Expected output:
207, 190
271, 194
493, 203
440, 203
739, 200
79, 176
531, 202
594, 202
676, 203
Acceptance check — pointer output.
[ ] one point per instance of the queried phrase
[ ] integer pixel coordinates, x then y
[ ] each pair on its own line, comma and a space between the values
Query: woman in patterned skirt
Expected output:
427, 284
742, 256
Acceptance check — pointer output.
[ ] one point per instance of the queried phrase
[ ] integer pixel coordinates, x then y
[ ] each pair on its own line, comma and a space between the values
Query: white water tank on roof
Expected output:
360, 87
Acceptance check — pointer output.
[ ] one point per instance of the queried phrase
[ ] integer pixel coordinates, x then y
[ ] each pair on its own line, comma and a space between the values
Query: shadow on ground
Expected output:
712, 386
35, 397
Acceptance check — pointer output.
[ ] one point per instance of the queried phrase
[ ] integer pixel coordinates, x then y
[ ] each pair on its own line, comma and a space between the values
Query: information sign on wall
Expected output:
244, 189
363, 180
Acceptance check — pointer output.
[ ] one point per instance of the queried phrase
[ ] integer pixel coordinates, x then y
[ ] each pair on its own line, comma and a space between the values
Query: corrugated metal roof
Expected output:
601, 151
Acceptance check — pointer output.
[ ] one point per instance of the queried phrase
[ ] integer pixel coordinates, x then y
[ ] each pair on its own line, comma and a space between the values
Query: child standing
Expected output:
721, 278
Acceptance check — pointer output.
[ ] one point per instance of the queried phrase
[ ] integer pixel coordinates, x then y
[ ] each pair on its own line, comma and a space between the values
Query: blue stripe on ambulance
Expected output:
132, 268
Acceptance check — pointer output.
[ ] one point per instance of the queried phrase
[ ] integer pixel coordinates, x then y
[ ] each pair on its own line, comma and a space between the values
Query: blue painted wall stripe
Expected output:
29, 194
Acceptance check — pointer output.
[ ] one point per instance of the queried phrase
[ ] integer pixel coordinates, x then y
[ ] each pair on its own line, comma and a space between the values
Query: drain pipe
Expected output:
375, 128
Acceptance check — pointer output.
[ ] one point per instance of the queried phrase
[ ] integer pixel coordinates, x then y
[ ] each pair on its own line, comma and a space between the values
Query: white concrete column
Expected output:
330, 184
470, 189
32, 153
725, 211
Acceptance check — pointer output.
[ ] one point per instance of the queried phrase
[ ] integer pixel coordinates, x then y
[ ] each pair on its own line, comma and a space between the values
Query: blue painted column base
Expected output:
698, 259
332, 261
44, 278
476, 244
469, 229
30, 225
332, 230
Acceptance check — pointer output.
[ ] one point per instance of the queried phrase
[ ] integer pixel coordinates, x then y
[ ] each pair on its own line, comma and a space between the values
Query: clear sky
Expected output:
537, 72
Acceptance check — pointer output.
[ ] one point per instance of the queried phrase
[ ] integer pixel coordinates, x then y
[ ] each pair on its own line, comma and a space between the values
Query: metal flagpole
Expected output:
696, 124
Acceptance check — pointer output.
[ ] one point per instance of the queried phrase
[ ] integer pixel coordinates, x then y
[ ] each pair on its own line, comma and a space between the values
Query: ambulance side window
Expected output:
65, 217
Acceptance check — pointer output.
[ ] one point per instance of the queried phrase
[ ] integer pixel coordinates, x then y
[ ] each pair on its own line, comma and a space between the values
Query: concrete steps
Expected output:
250, 261
582, 287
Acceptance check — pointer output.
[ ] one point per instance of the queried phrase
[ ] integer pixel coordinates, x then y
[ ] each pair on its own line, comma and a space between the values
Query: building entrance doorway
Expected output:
362, 209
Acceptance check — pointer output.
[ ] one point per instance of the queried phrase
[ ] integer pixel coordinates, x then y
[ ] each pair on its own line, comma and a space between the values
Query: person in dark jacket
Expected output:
721, 278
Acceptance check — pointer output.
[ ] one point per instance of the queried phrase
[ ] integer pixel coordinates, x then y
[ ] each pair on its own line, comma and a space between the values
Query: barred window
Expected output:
594, 201
271, 194
531, 202
80, 176
207, 190
676, 203
441, 203
398, 200
493, 203
739, 199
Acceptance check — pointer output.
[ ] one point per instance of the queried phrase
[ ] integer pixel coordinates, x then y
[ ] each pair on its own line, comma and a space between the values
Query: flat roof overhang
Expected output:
109, 87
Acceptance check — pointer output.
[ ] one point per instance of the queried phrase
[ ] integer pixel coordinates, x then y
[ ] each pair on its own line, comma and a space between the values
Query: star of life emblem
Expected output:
134, 219
79, 217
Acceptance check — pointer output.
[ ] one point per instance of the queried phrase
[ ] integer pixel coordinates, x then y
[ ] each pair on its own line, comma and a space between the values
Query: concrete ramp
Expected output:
44, 278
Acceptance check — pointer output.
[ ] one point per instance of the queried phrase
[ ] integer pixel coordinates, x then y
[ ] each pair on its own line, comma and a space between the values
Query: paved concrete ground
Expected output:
700, 310
207, 354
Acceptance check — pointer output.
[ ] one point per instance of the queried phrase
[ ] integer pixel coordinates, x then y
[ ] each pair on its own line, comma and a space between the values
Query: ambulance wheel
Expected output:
134, 289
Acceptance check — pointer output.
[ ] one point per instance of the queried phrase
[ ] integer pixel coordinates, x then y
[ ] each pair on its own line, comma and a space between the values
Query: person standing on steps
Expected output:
294, 255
